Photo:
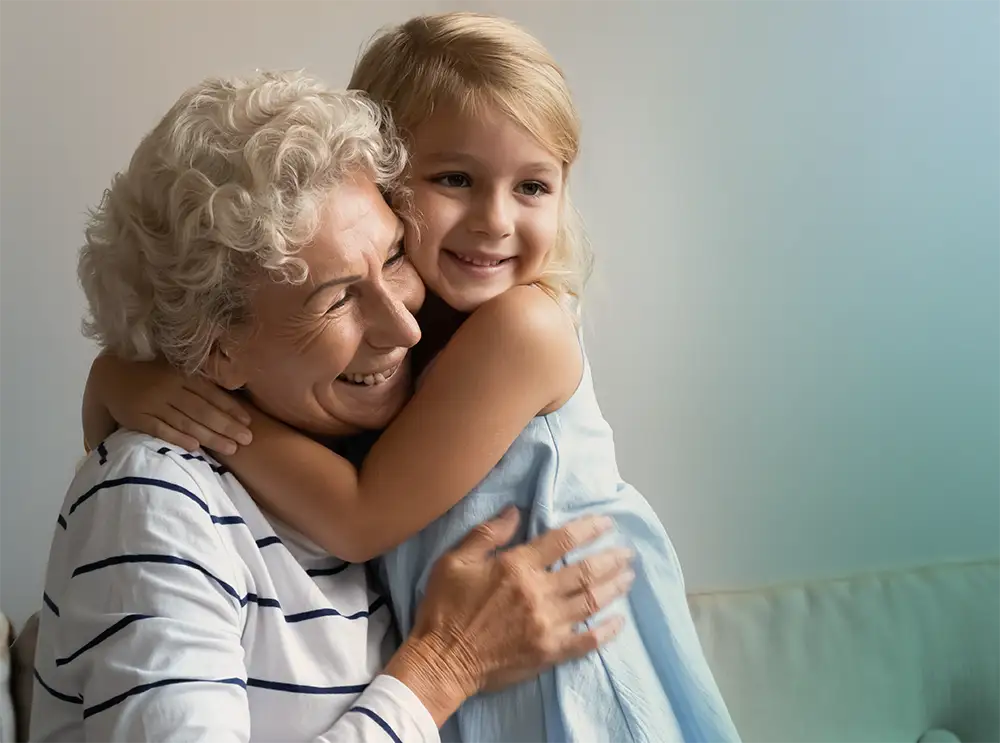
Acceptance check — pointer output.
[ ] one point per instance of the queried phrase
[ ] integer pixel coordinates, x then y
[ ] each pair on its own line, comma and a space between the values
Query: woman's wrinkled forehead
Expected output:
358, 226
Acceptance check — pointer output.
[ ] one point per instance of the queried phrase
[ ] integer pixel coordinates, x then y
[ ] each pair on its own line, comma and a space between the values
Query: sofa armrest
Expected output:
22, 675
7, 716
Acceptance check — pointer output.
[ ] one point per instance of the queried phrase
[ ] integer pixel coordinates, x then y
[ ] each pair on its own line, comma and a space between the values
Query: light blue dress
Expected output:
651, 684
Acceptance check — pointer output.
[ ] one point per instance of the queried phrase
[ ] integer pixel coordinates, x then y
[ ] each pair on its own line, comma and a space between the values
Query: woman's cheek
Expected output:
333, 347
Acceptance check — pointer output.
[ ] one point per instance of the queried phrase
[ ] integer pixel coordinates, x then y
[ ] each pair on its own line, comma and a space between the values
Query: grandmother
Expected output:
175, 608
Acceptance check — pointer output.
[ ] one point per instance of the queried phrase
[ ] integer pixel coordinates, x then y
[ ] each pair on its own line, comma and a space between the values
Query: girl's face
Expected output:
487, 197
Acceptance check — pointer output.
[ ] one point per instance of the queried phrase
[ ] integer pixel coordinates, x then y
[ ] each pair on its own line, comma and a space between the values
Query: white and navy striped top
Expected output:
175, 610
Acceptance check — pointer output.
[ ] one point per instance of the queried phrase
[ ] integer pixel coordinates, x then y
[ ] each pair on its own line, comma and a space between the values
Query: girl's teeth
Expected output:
379, 378
479, 261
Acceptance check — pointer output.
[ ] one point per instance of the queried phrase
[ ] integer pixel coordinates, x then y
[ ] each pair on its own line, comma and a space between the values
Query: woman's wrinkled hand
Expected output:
506, 616
157, 399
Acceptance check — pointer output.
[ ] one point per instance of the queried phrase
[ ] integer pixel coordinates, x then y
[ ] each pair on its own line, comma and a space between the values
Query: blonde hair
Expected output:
474, 61
220, 195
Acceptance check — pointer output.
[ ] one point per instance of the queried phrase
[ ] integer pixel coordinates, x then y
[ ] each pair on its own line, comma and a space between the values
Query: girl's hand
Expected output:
493, 619
157, 399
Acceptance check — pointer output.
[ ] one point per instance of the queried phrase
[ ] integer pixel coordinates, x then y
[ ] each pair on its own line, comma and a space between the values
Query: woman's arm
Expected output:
156, 654
513, 358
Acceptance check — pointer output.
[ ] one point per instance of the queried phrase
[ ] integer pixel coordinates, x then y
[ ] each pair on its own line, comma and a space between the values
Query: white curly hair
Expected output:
220, 195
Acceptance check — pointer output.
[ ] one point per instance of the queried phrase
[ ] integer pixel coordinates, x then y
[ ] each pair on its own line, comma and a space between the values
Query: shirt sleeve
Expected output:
150, 622
386, 711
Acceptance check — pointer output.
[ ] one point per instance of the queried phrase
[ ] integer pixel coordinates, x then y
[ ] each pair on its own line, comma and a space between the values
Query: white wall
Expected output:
795, 323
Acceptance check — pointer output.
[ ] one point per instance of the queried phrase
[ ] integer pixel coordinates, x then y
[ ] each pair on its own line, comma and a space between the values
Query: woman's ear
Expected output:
224, 368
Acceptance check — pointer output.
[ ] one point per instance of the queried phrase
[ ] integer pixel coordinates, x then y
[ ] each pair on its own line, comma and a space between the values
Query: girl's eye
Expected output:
533, 189
452, 180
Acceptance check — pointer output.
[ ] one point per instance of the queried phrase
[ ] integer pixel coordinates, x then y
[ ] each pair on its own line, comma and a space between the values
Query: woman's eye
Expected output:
452, 180
533, 188
396, 257
339, 303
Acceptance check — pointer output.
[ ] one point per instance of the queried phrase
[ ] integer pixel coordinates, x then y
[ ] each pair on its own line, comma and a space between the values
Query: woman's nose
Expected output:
392, 324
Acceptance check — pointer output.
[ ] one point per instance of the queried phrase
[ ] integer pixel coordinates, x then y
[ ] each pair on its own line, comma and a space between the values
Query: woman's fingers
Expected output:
554, 545
579, 644
582, 605
596, 569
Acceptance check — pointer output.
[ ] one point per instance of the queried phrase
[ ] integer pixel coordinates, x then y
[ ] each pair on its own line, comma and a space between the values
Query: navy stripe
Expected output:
300, 689
139, 481
112, 630
58, 694
165, 559
228, 520
165, 485
50, 603
317, 613
244, 600
317, 572
220, 469
378, 721
253, 598
61, 521
155, 685
102, 452
267, 542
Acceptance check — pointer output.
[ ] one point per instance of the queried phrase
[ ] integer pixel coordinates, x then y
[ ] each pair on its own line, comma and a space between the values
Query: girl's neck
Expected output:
438, 323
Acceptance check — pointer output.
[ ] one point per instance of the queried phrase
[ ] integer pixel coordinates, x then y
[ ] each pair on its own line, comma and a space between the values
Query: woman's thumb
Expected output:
495, 533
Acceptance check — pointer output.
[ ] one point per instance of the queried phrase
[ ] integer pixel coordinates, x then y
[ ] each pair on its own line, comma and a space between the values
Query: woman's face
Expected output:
330, 356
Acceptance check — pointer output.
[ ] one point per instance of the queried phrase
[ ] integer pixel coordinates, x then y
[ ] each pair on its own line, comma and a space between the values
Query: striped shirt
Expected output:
174, 609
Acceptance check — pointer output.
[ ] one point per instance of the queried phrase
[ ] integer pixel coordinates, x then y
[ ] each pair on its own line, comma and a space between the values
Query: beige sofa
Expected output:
901, 656
905, 655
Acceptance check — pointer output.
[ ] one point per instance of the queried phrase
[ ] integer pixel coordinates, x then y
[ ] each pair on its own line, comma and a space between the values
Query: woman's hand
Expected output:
157, 399
492, 619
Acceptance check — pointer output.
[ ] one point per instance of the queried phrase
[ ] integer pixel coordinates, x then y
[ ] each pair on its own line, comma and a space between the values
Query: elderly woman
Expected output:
175, 608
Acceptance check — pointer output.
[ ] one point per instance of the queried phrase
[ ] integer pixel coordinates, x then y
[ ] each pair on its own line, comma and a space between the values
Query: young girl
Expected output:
506, 413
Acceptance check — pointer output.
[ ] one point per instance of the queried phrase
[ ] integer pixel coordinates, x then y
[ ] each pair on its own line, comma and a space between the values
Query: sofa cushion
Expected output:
884, 657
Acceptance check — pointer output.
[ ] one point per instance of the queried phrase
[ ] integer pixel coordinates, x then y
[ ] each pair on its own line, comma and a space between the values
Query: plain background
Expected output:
794, 325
